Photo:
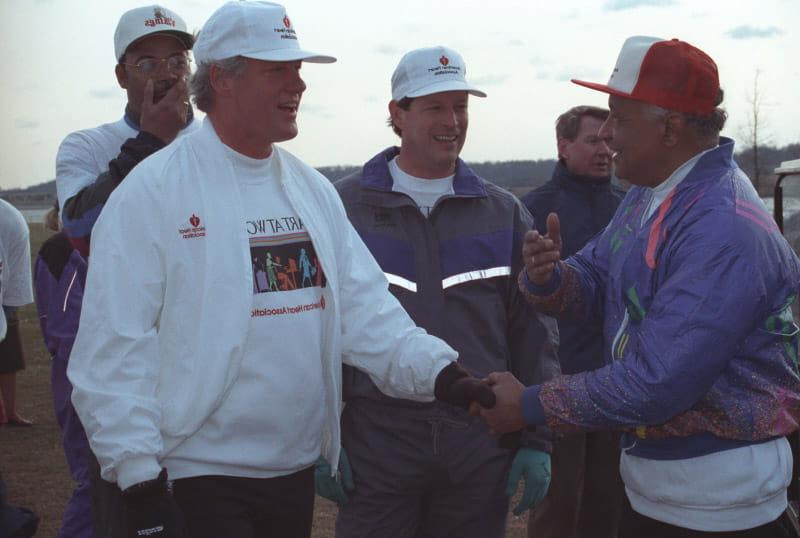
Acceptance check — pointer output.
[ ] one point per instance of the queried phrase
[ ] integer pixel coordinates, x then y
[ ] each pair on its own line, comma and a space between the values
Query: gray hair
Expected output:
705, 127
200, 84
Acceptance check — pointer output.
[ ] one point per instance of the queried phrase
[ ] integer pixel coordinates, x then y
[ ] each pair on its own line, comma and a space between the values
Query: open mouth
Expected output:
291, 108
445, 138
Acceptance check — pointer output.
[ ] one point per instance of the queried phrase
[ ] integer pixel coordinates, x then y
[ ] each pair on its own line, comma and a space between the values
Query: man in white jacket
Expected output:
226, 289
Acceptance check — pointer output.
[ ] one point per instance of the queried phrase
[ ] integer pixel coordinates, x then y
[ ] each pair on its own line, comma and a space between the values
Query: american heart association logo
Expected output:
444, 61
194, 220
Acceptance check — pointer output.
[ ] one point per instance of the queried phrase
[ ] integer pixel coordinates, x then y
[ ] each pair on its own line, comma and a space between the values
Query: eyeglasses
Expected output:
175, 64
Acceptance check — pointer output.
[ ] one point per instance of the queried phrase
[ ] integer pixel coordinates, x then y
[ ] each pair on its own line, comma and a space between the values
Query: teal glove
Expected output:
534, 466
334, 487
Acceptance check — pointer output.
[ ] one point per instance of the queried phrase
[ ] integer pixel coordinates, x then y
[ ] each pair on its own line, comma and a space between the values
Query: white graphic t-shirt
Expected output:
271, 421
424, 192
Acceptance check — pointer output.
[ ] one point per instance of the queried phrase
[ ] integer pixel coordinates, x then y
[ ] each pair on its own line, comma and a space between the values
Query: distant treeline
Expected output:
769, 158
515, 175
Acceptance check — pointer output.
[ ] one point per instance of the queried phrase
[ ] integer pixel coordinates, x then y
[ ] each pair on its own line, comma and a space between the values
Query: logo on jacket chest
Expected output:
195, 229
382, 218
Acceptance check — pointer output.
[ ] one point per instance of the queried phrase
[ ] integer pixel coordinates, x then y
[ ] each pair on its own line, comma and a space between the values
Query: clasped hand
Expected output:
506, 415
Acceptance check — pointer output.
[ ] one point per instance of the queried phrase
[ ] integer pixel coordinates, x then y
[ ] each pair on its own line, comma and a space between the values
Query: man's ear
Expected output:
221, 81
397, 114
563, 146
674, 124
122, 76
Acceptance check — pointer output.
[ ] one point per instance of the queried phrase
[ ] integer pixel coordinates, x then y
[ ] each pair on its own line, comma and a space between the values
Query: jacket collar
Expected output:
719, 157
575, 182
375, 175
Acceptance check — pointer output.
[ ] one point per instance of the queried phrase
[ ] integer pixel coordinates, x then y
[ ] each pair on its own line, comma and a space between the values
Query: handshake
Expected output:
496, 399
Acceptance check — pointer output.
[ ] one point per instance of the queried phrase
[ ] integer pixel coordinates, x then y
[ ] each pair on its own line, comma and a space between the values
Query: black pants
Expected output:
635, 525
586, 492
232, 507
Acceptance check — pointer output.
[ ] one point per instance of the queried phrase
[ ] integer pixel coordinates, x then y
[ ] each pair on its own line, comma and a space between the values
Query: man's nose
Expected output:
451, 118
297, 85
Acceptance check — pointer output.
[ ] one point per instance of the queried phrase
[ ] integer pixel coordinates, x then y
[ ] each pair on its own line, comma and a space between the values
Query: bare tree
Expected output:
753, 134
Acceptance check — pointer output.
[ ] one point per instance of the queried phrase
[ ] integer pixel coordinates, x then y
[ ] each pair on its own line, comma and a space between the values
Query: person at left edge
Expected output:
15, 291
212, 337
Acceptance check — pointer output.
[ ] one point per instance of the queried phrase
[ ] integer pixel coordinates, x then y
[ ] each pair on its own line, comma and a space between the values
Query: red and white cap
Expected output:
671, 74
144, 21
431, 70
258, 30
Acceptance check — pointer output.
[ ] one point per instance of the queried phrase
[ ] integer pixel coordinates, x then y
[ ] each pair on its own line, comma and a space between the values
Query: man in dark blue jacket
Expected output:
448, 242
585, 495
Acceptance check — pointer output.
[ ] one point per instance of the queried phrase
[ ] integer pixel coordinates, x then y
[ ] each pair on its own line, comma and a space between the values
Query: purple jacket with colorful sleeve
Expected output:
696, 310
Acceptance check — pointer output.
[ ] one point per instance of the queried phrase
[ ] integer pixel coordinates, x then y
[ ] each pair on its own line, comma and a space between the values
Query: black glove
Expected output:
150, 510
455, 386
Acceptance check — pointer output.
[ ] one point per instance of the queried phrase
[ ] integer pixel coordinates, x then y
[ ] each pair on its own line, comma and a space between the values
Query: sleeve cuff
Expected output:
137, 469
546, 289
532, 410
151, 139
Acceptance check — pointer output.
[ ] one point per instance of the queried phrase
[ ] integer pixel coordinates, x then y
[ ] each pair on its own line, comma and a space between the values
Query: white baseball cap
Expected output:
144, 21
258, 30
431, 70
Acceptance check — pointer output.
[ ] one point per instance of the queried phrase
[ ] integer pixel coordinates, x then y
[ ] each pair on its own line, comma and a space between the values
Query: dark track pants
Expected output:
220, 506
422, 477
233, 507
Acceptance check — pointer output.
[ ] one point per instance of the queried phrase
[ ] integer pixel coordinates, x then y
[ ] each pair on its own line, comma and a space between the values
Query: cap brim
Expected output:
446, 86
601, 88
290, 55
185, 38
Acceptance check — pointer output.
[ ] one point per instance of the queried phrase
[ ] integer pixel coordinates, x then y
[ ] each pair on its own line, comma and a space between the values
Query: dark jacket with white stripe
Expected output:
455, 274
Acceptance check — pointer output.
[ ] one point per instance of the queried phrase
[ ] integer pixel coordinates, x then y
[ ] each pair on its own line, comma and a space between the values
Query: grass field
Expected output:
32, 461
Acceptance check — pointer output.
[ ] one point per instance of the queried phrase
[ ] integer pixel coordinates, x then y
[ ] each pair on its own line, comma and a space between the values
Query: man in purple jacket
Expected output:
59, 275
693, 283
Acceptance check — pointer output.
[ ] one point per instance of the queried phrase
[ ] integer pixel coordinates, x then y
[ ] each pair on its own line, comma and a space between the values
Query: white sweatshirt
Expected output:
166, 310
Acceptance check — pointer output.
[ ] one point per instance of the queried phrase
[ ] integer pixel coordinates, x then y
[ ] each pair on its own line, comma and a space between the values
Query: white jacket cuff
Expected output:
135, 470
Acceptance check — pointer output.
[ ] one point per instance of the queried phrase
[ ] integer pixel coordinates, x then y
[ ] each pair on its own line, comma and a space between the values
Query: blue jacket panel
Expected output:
696, 306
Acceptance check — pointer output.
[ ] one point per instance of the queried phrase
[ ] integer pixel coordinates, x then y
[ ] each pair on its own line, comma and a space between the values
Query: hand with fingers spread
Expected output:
541, 253
506, 415
164, 115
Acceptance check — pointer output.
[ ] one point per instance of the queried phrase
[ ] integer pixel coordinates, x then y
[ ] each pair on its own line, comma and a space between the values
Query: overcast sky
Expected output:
58, 65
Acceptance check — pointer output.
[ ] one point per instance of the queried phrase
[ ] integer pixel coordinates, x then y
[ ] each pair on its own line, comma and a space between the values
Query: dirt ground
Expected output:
32, 460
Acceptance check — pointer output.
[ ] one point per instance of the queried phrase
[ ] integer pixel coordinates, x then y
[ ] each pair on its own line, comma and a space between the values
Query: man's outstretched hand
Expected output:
541, 253
455, 386
506, 415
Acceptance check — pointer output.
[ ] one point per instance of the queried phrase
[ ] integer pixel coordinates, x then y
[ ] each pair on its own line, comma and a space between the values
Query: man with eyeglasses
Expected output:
151, 47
